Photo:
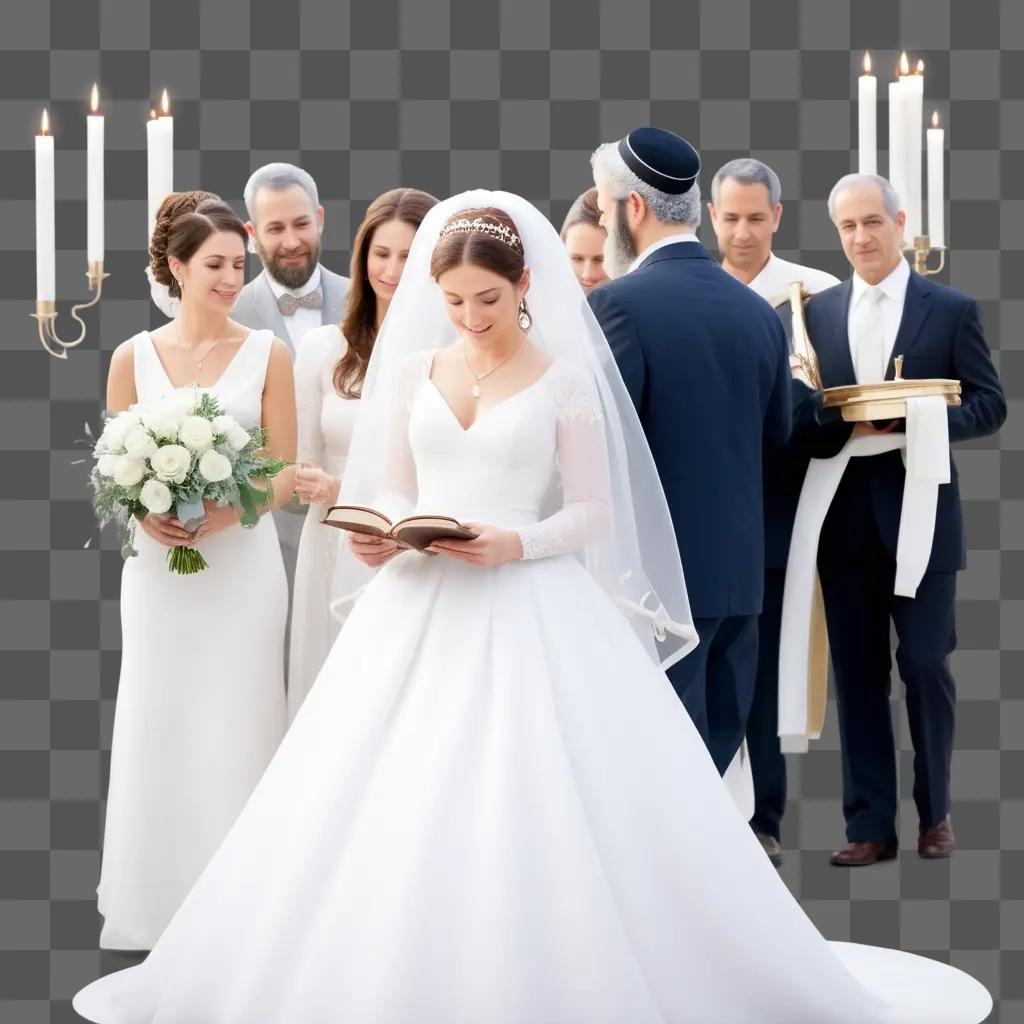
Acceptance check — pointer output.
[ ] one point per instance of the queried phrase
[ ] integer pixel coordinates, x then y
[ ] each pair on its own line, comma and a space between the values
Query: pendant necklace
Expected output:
483, 376
189, 351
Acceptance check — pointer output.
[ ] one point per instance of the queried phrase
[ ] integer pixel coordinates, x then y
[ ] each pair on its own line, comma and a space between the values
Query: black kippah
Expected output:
661, 159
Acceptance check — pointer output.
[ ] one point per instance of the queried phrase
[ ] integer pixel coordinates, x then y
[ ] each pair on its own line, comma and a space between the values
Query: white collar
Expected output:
310, 286
682, 236
771, 264
894, 286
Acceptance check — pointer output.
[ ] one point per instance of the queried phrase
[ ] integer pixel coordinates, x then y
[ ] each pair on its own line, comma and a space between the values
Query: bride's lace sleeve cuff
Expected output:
585, 516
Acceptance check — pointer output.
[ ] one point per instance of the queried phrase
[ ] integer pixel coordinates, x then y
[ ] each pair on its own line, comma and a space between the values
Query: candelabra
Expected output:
46, 315
922, 249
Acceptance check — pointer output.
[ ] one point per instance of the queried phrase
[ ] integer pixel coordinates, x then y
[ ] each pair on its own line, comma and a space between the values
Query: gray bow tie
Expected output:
288, 303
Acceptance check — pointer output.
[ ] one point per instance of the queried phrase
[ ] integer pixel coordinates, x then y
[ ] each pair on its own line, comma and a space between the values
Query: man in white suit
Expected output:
294, 293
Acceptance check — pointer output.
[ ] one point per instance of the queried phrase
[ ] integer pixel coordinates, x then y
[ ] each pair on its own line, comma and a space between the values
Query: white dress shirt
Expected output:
894, 291
302, 320
682, 236
773, 281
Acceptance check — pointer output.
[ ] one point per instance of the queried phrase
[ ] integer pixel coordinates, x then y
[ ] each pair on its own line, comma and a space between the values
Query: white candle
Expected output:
159, 161
94, 180
936, 184
867, 129
897, 148
913, 86
46, 247
152, 173
165, 129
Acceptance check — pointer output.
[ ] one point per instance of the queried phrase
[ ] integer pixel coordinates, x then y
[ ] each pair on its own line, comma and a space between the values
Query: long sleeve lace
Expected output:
585, 516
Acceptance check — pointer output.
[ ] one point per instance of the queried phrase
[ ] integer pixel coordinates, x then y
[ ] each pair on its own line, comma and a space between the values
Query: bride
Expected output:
491, 808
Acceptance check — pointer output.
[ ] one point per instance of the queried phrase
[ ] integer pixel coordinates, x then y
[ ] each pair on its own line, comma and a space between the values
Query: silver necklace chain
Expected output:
483, 376
189, 351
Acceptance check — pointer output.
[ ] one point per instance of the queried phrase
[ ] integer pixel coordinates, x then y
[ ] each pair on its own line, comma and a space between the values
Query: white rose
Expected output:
196, 433
139, 443
215, 467
238, 438
223, 425
155, 496
128, 472
106, 463
163, 421
115, 430
171, 463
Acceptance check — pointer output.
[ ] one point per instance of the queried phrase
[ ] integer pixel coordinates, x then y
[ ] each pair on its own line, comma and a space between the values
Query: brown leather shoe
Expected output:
861, 853
937, 841
771, 847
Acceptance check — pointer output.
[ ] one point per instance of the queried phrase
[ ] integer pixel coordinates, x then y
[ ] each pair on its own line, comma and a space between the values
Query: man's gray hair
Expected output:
890, 197
610, 169
748, 171
278, 176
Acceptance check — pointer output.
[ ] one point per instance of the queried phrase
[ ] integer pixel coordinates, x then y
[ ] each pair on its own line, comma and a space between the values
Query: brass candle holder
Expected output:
46, 314
922, 249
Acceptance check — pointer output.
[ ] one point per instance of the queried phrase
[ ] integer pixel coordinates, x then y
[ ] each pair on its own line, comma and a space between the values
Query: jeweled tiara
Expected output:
487, 227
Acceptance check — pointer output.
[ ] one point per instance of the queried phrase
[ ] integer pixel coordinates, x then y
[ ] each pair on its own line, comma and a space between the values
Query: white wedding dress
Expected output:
326, 422
493, 809
200, 702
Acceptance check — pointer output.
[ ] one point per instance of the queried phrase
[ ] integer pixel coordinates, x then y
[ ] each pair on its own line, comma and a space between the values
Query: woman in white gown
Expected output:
329, 372
200, 702
492, 808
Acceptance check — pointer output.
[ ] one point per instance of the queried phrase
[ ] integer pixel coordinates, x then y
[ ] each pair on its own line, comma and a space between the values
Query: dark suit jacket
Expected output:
705, 361
940, 335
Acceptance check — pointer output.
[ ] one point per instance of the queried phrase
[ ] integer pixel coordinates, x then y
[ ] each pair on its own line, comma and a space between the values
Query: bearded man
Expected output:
294, 293
706, 362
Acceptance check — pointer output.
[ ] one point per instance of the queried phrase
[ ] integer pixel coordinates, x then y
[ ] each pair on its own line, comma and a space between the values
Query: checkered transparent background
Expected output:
445, 95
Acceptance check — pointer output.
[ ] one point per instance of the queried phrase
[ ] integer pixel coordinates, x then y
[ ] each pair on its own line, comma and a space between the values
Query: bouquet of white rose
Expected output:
177, 453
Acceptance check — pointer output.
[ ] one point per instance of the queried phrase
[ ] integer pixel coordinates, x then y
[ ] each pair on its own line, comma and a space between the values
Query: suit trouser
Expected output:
767, 763
715, 682
859, 603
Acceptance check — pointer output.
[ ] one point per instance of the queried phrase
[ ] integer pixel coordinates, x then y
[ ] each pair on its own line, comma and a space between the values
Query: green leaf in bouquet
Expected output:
268, 468
251, 499
208, 407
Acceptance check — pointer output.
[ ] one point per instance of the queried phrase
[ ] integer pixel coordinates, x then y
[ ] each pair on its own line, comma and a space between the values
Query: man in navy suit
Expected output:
706, 363
746, 210
858, 328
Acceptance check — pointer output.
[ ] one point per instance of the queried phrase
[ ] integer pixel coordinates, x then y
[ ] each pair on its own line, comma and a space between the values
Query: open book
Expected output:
414, 531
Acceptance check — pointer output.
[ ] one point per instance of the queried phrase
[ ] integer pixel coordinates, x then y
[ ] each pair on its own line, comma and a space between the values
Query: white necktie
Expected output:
868, 329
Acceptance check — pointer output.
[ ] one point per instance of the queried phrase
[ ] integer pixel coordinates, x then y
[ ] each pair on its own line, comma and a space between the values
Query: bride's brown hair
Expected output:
478, 247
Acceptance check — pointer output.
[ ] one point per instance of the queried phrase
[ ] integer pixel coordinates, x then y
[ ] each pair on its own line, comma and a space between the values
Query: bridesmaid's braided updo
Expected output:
184, 221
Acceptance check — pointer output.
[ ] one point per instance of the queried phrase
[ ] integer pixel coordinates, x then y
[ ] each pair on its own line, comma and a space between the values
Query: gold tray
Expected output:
887, 399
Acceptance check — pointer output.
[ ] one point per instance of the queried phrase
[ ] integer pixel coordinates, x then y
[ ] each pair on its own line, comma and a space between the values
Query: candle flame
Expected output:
920, 67
44, 128
867, 63
94, 98
165, 103
935, 119
904, 65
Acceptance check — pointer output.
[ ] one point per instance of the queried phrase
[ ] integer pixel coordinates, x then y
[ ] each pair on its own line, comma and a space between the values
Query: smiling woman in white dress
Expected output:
200, 702
492, 808
329, 372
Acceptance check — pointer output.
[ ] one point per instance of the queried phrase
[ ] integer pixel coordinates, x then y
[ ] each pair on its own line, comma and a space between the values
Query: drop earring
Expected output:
525, 320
